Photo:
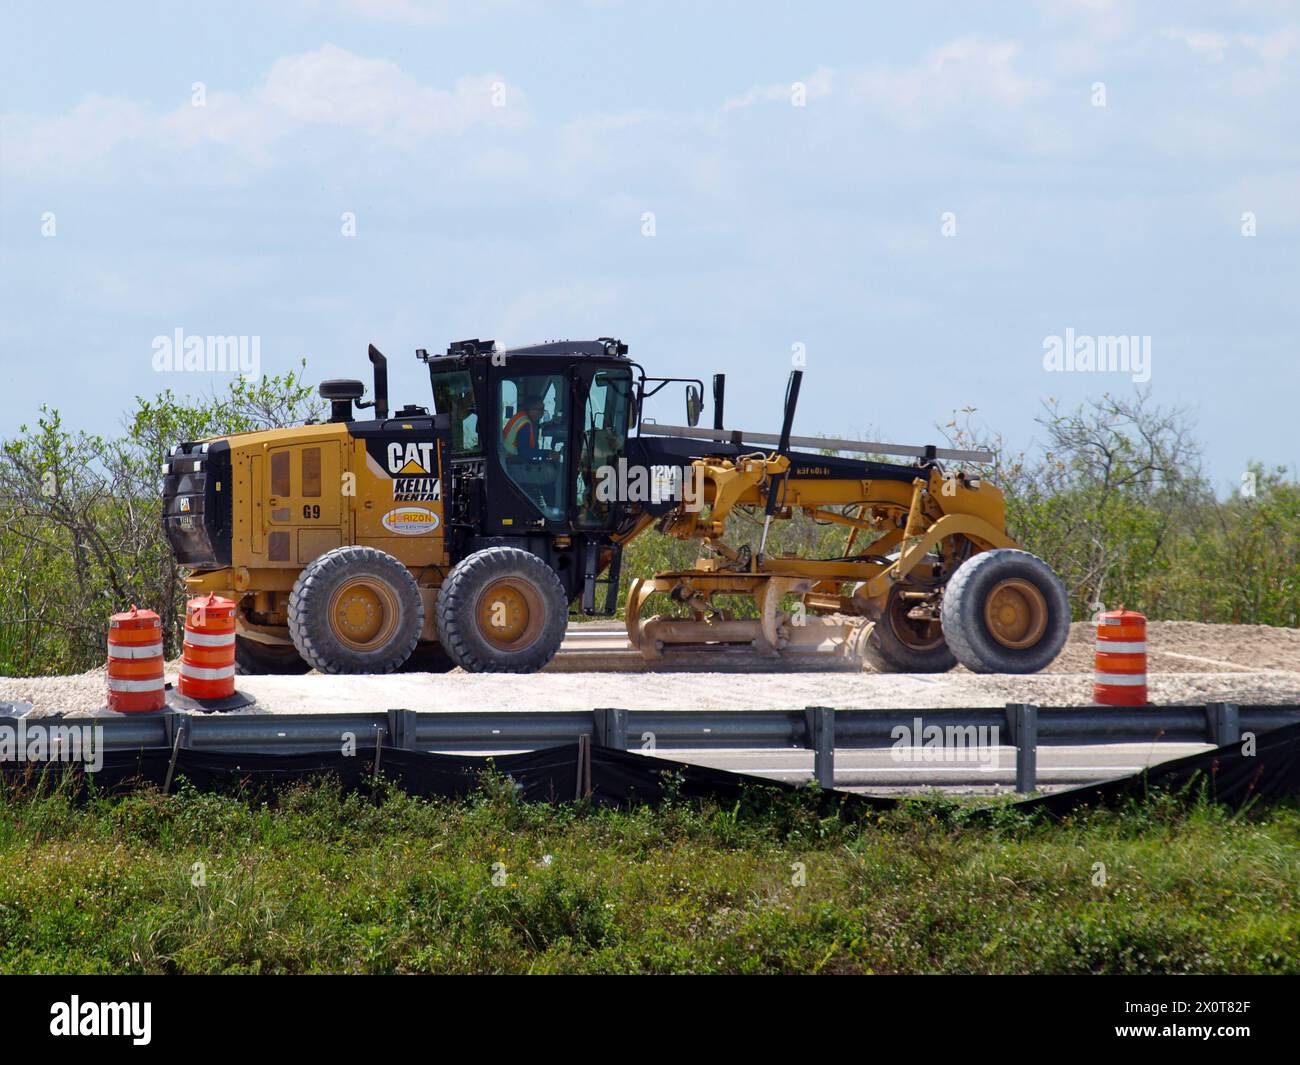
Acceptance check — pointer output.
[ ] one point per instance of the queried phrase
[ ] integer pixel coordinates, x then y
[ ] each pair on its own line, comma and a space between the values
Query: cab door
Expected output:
532, 441
600, 440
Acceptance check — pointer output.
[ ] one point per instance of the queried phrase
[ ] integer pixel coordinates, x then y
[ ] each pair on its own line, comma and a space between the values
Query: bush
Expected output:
81, 520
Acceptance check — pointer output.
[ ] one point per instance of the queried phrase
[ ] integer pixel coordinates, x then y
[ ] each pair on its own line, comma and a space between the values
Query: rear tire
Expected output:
355, 610
897, 644
255, 659
502, 610
1005, 611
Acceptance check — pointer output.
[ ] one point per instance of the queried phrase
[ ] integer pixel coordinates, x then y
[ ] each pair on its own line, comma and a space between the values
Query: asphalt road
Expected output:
882, 772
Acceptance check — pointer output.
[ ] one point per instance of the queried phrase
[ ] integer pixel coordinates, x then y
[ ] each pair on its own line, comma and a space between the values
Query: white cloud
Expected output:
818, 85
1210, 45
335, 87
1255, 63
328, 88
86, 134
957, 75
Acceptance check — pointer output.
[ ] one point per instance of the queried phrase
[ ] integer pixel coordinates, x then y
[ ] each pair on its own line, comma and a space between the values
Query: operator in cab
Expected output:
520, 434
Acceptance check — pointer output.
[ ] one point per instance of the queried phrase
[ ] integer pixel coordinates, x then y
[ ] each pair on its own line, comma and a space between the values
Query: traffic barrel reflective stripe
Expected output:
135, 662
200, 639
208, 649
115, 685
144, 650
1121, 671
199, 673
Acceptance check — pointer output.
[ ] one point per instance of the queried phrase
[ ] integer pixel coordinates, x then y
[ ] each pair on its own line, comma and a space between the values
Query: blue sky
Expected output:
774, 225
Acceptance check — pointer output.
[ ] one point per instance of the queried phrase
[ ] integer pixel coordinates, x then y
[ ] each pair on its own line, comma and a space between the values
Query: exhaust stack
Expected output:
381, 382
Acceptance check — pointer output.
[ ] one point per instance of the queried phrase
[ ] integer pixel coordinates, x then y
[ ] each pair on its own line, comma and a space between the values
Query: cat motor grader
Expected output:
462, 535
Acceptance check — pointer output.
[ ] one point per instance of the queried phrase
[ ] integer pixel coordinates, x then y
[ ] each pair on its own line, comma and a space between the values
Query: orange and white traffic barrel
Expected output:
1121, 676
135, 662
208, 653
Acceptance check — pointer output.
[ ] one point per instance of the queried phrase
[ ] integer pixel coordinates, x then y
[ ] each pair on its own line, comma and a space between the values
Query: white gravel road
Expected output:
1190, 663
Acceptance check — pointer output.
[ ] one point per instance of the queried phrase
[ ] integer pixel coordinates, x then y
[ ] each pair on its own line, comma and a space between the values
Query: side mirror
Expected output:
694, 404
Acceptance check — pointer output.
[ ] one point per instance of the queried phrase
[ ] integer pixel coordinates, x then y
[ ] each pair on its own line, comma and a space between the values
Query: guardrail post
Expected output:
1022, 721
401, 729
609, 727
821, 737
170, 721
181, 732
1224, 723
381, 736
177, 723
582, 788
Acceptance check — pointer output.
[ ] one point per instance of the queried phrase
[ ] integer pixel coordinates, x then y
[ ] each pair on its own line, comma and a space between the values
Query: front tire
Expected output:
1005, 611
355, 610
502, 610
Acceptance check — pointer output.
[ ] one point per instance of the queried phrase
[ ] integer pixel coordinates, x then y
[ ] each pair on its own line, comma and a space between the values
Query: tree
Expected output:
81, 519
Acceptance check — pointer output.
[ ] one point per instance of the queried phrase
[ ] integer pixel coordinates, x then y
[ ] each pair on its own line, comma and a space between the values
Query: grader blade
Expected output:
767, 637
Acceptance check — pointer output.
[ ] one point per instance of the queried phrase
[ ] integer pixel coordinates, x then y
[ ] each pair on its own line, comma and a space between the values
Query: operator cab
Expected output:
546, 422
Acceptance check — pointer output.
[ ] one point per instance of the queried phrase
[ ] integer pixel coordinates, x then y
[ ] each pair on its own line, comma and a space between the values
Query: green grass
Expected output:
324, 883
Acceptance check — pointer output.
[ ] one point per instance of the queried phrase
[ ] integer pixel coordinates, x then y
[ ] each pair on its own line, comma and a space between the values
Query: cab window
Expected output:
453, 395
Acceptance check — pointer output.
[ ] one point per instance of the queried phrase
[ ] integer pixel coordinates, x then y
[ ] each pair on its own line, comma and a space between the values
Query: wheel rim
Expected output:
917, 635
510, 614
1016, 613
363, 613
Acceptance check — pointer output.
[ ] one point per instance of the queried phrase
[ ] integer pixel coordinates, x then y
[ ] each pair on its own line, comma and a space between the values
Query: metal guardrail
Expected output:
820, 729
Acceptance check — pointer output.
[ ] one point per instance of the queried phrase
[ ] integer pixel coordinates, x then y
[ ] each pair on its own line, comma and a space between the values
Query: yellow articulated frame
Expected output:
912, 518
234, 582
917, 547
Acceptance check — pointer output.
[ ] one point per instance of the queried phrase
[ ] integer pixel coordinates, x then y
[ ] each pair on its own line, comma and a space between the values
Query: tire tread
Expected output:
455, 610
307, 624
961, 618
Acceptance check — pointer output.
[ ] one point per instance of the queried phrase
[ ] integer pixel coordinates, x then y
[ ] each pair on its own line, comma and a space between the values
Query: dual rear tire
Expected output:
358, 610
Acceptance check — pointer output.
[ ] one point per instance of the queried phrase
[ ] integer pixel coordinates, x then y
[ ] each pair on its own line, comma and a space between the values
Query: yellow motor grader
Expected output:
462, 535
